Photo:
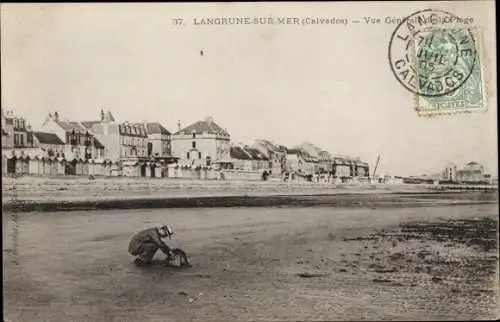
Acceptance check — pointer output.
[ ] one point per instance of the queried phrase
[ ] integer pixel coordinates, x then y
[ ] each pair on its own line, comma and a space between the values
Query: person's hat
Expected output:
167, 229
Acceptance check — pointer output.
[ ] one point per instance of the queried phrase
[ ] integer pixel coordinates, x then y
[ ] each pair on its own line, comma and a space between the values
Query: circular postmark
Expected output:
432, 53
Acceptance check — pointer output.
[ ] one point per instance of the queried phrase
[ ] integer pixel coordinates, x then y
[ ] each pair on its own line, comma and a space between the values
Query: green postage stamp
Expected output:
437, 57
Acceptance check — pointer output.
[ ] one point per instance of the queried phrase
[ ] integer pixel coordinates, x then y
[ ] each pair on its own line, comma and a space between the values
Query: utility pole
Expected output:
376, 166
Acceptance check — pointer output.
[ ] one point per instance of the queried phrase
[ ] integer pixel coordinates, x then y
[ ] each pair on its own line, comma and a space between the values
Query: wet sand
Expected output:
267, 263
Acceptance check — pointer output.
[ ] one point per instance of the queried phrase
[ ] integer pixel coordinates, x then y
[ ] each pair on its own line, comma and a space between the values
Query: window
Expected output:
194, 135
187, 154
16, 139
193, 144
22, 139
199, 155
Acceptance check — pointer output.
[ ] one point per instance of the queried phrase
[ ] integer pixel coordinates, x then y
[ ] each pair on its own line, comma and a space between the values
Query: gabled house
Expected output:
123, 141
241, 159
259, 160
50, 143
15, 131
274, 152
247, 158
159, 142
203, 143
79, 141
323, 158
300, 161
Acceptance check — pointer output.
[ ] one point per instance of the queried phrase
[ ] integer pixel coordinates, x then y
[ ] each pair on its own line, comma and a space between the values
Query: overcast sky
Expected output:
329, 85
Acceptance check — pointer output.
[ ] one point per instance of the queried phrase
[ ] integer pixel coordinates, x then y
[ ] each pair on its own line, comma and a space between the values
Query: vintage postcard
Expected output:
301, 161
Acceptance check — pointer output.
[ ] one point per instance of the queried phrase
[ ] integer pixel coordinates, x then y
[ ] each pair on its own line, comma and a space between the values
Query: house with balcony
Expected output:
202, 144
80, 143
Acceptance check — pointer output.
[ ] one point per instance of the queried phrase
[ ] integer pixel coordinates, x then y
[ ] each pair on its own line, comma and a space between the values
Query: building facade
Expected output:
275, 153
241, 159
159, 145
16, 132
244, 157
123, 141
203, 143
49, 143
299, 161
450, 173
471, 172
79, 141
7, 129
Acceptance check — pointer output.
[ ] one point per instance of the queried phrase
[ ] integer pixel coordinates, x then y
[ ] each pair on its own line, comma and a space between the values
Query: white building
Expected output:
203, 143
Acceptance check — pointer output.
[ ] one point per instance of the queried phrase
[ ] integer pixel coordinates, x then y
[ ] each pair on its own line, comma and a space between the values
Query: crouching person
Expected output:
146, 243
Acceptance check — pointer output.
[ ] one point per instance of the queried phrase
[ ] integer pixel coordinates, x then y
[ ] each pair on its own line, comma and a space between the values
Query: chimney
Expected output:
209, 120
102, 115
179, 125
56, 116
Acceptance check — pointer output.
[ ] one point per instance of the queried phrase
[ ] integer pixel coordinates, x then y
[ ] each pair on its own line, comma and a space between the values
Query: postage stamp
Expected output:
437, 56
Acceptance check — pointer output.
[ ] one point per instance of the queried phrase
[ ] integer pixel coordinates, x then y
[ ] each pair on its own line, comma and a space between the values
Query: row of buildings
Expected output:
472, 172
203, 144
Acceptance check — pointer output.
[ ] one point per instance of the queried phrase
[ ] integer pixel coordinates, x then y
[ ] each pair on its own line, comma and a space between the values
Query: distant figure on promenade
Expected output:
146, 243
222, 175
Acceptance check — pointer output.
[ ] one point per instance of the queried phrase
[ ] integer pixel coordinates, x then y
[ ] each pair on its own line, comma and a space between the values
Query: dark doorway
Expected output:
11, 165
150, 149
70, 168
143, 170
152, 168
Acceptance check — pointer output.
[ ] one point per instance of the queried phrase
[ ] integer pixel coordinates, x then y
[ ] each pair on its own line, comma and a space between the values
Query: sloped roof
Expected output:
239, 153
201, 127
70, 126
294, 151
98, 144
110, 116
270, 145
48, 138
89, 124
256, 154
155, 128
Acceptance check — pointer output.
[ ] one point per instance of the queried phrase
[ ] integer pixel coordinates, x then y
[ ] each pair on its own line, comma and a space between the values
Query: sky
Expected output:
330, 85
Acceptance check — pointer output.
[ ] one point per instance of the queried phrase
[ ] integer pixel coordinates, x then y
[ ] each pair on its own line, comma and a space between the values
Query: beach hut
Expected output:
106, 167
33, 166
132, 168
52, 166
46, 166
85, 167
92, 167
61, 165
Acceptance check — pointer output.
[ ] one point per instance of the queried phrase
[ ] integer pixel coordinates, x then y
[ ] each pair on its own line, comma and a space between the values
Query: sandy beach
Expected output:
267, 263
